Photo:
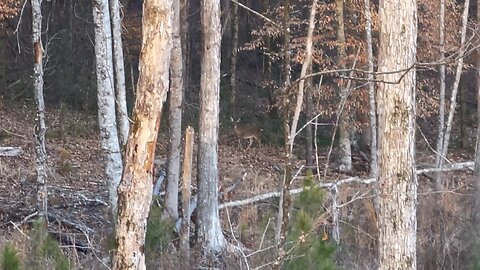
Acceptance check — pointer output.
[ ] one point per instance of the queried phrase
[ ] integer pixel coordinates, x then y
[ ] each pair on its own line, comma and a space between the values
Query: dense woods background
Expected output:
302, 131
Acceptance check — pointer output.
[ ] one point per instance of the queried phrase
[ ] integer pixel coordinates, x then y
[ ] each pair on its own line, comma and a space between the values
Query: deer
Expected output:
247, 131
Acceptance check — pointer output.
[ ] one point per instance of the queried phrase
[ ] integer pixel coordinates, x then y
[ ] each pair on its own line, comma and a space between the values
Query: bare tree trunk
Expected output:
186, 194
309, 111
345, 149
284, 183
453, 99
118, 63
3, 62
305, 65
233, 66
396, 107
476, 211
371, 93
210, 235
175, 117
135, 190
106, 100
184, 26
40, 127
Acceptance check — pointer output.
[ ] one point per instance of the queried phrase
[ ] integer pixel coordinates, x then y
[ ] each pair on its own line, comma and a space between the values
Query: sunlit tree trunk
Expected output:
106, 100
175, 117
345, 148
40, 127
135, 190
118, 63
371, 93
210, 235
396, 108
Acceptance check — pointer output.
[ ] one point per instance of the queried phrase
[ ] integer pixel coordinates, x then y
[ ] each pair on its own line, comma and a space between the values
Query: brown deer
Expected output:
247, 131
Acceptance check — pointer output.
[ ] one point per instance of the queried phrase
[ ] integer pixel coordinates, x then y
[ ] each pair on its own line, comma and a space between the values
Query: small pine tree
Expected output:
309, 248
10, 260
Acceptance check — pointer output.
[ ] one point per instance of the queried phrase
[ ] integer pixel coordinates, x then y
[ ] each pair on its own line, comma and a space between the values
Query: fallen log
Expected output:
7, 151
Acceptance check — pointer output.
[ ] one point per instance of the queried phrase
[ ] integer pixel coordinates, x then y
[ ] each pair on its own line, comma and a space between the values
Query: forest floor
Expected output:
78, 193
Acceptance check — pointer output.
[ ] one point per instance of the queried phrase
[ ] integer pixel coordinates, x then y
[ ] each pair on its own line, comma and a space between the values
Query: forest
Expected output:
240, 134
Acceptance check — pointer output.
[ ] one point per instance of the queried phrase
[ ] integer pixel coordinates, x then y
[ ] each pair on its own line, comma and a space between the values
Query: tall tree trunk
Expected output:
345, 148
396, 108
285, 181
233, 64
439, 210
40, 128
456, 83
303, 72
210, 234
118, 63
371, 93
135, 190
476, 211
106, 100
175, 117
3, 62
184, 26
310, 115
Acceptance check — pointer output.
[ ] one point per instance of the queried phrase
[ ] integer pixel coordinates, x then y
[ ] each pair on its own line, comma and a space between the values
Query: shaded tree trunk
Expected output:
476, 211
345, 149
118, 63
106, 100
233, 64
396, 108
310, 114
175, 117
284, 181
135, 190
210, 234
40, 127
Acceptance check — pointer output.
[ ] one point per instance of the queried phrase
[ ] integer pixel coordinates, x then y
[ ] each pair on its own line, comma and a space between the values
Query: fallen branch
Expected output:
8, 151
275, 194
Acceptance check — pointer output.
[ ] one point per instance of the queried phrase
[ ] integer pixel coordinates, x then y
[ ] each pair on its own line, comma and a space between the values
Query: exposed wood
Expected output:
135, 190
186, 193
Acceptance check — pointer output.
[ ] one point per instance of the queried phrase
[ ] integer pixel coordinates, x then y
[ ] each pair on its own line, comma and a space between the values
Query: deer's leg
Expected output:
251, 142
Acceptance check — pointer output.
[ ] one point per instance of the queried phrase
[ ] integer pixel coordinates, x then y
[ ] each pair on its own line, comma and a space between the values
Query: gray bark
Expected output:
209, 228
175, 117
396, 108
476, 211
118, 63
106, 100
40, 127
371, 93
345, 148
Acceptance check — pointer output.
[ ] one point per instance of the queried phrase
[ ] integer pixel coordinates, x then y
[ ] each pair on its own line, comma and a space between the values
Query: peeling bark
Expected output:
135, 190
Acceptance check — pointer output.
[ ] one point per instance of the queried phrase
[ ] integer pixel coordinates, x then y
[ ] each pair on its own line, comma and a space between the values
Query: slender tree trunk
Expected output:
210, 235
135, 190
396, 108
175, 117
106, 100
118, 61
371, 93
476, 211
40, 127
309, 111
3, 61
305, 65
184, 26
453, 99
233, 66
345, 149
285, 201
